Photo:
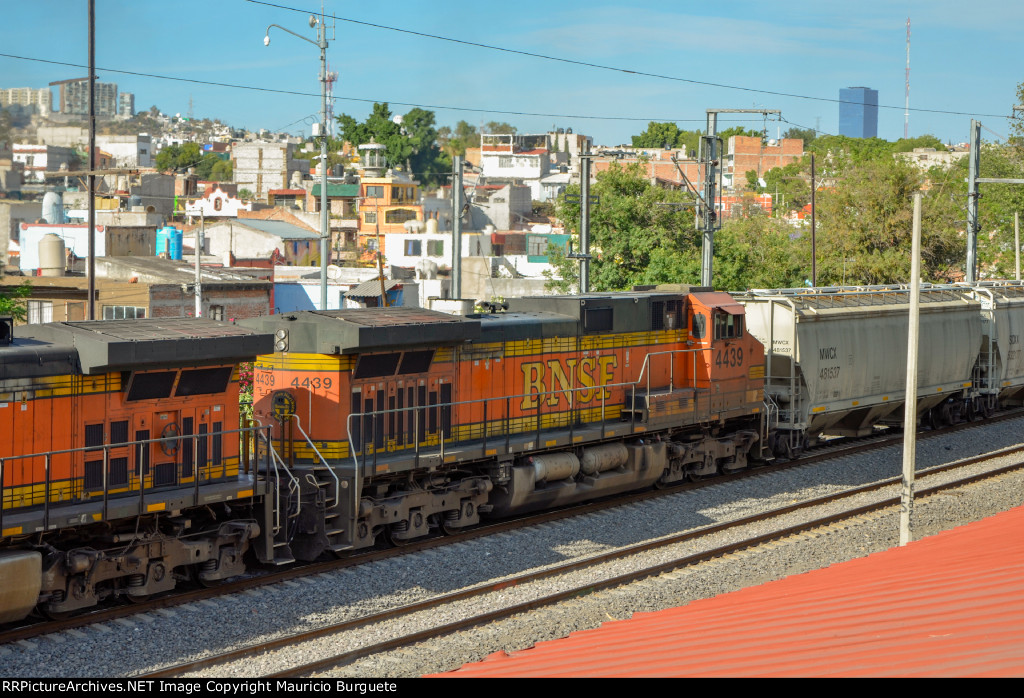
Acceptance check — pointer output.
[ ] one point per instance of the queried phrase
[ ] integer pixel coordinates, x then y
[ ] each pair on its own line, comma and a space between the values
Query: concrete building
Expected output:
141, 287
12, 173
215, 202
126, 105
41, 100
66, 136
128, 151
927, 158
14, 212
412, 250
284, 242
298, 288
39, 159
858, 112
515, 159
503, 206
74, 97
260, 166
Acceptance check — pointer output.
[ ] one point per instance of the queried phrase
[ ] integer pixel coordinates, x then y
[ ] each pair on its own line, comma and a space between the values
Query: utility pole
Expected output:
910, 397
711, 159
973, 163
91, 264
200, 234
325, 231
457, 227
585, 220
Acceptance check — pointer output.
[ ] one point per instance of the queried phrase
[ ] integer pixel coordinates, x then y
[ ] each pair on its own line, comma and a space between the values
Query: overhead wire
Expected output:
599, 66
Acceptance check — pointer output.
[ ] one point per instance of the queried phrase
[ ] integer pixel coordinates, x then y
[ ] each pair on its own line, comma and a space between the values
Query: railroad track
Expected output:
324, 642
835, 449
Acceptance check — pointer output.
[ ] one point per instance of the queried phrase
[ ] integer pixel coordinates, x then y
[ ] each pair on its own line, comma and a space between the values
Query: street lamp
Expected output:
325, 231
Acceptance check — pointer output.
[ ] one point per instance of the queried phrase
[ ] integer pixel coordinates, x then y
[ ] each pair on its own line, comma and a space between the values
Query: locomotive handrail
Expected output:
47, 457
374, 414
337, 482
294, 485
671, 367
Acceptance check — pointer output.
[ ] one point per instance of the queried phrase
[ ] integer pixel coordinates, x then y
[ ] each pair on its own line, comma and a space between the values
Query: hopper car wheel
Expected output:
987, 407
53, 615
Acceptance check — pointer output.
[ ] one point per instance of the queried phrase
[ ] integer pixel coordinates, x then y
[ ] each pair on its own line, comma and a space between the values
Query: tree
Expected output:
758, 251
865, 226
12, 300
807, 135
640, 233
180, 157
411, 139
667, 135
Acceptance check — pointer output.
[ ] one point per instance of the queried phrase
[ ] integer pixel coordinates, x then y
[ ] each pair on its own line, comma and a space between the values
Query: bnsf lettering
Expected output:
825, 353
545, 376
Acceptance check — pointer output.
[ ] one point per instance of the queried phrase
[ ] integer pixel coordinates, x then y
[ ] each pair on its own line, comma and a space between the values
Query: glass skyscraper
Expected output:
858, 112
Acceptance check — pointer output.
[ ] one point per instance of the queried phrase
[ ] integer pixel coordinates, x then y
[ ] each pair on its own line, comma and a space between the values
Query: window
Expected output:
40, 311
413, 248
399, 215
375, 192
217, 312
435, 248
728, 325
218, 204
597, 319
537, 246
505, 161
123, 312
700, 326
370, 217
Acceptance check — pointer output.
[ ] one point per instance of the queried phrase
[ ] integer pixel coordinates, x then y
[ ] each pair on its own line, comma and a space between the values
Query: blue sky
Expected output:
965, 59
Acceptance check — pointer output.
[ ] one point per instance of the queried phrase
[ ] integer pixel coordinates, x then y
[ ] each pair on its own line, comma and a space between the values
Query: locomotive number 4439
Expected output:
315, 383
731, 356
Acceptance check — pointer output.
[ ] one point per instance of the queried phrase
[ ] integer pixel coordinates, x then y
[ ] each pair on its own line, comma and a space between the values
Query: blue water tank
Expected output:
176, 239
163, 237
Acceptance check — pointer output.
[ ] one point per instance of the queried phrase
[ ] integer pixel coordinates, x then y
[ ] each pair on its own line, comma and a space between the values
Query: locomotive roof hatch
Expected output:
355, 330
138, 344
605, 312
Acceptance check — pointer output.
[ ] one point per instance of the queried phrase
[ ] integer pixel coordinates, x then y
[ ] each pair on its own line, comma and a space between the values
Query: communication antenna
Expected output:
332, 77
906, 109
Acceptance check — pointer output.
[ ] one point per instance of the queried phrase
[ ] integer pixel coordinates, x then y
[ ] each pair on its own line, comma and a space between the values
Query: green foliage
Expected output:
180, 157
760, 252
865, 226
807, 135
411, 144
12, 300
213, 168
635, 237
244, 194
667, 135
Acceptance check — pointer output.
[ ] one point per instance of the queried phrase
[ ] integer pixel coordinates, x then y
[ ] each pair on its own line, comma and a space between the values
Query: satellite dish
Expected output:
761, 182
398, 119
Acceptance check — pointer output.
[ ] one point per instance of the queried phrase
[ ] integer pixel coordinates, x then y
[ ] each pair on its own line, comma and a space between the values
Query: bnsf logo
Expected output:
555, 374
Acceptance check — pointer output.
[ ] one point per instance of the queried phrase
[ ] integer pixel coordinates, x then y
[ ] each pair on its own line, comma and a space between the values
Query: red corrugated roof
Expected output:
948, 605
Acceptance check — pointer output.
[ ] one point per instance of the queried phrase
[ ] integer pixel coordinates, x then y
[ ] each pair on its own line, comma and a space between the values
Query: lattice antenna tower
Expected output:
332, 77
906, 109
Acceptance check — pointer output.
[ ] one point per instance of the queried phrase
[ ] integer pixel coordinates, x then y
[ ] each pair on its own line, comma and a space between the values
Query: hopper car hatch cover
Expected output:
155, 342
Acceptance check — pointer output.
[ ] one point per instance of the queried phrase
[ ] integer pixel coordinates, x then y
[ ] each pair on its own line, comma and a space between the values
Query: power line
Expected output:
350, 99
588, 64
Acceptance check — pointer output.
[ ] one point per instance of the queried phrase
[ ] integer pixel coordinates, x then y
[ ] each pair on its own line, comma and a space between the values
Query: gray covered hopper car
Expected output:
836, 358
1000, 376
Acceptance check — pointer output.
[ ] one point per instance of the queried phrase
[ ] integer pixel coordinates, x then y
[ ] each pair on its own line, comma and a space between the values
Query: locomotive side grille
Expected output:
658, 315
119, 432
186, 451
118, 472
163, 474
93, 434
217, 442
94, 475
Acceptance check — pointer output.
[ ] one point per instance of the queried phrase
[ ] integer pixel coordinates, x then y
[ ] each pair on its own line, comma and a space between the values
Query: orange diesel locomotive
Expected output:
119, 454
396, 421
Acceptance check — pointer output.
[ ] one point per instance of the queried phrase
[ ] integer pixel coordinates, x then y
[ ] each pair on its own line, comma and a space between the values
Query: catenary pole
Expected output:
910, 400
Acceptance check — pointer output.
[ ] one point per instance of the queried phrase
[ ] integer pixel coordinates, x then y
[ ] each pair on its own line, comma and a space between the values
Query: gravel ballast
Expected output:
146, 642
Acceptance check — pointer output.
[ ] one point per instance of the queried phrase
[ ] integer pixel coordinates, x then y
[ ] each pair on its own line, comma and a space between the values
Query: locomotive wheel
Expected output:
394, 541
135, 598
53, 615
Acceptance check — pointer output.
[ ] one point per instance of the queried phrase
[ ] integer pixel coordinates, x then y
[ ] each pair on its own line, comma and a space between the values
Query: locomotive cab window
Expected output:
699, 330
728, 324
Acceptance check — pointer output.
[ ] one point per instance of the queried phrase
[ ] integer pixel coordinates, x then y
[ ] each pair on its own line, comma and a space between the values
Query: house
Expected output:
515, 159
298, 288
387, 199
216, 202
251, 237
260, 166
140, 287
40, 159
755, 154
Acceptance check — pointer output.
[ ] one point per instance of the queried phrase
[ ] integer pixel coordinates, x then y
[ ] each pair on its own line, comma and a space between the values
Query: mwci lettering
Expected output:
565, 375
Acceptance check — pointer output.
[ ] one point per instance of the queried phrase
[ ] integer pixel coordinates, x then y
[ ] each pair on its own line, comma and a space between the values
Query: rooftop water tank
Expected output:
53, 208
431, 226
51, 255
